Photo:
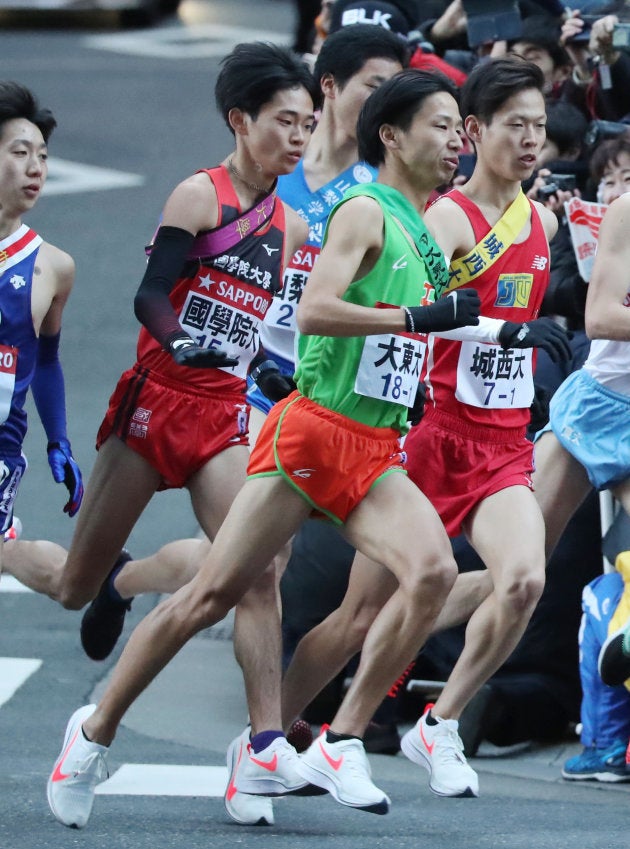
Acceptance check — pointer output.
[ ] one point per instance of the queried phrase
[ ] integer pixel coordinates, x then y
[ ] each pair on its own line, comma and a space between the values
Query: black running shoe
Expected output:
104, 619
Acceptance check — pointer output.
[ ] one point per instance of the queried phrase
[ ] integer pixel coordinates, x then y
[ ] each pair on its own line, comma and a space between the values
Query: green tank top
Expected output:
369, 379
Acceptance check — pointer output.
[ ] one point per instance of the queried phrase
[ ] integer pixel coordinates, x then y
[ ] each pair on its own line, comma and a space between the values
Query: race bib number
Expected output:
283, 308
225, 324
390, 366
281, 314
8, 369
488, 376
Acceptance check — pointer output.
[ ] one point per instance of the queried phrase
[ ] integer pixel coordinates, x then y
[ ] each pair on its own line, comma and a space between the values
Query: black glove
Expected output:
542, 333
539, 410
185, 352
417, 411
271, 383
66, 471
457, 309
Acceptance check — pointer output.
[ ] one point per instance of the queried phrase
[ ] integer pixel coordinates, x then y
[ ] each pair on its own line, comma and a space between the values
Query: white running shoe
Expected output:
343, 769
242, 807
78, 769
272, 772
439, 749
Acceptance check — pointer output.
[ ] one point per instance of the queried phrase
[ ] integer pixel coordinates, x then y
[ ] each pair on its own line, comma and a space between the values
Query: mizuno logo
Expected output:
303, 473
400, 263
270, 250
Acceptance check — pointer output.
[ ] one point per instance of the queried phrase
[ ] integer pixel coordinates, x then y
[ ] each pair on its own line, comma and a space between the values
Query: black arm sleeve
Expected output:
151, 304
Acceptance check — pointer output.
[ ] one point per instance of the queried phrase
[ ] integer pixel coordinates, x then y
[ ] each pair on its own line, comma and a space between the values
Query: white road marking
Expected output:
9, 584
196, 42
14, 671
165, 780
66, 177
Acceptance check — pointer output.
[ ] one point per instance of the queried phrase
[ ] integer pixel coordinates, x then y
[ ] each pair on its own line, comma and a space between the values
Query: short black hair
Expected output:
566, 126
254, 72
16, 101
346, 51
543, 31
491, 84
606, 152
396, 102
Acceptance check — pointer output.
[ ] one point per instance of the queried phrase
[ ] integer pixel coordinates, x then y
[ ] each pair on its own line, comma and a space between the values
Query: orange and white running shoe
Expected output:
78, 769
244, 808
439, 749
343, 769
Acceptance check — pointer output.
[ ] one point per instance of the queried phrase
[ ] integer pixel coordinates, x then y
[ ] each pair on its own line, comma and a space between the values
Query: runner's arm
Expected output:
607, 314
349, 253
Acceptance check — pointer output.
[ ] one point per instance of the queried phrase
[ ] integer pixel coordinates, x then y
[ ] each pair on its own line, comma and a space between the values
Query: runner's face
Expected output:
509, 145
278, 137
23, 166
347, 101
616, 179
431, 146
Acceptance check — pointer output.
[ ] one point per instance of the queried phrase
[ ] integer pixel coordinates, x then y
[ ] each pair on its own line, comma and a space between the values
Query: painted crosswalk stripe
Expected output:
9, 584
14, 671
165, 780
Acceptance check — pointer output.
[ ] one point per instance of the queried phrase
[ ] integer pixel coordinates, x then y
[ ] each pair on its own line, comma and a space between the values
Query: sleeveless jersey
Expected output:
279, 328
481, 383
608, 362
18, 341
221, 301
374, 379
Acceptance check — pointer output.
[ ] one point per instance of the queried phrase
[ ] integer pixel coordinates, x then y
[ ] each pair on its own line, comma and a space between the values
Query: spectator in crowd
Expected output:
605, 710
601, 74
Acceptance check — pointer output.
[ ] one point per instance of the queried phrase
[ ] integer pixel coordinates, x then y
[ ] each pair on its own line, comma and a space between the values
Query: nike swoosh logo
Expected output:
424, 740
231, 790
58, 775
270, 765
400, 263
334, 762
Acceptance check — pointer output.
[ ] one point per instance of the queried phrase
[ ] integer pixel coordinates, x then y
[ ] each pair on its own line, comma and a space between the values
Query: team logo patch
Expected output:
514, 290
142, 415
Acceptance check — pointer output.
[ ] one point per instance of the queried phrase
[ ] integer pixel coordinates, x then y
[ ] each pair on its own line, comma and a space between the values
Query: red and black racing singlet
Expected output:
222, 301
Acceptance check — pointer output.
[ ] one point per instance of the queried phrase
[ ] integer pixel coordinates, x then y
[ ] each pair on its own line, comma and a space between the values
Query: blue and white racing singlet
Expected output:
18, 341
277, 334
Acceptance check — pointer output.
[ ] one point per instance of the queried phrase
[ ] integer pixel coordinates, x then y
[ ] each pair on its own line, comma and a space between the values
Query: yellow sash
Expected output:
492, 246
